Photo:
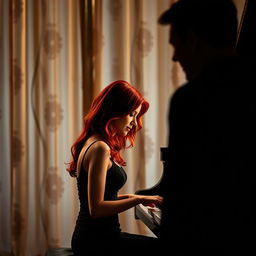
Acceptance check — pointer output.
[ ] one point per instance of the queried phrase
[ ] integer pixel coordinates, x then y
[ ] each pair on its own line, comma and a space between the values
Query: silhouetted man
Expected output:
209, 196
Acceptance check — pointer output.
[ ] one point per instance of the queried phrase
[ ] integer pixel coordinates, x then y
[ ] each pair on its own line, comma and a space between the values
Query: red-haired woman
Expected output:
114, 117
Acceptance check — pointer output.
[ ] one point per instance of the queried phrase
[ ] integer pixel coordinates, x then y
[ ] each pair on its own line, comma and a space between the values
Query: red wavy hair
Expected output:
115, 101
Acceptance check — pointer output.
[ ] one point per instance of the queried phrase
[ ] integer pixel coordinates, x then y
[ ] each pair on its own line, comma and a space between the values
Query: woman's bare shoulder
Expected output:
99, 151
100, 148
101, 145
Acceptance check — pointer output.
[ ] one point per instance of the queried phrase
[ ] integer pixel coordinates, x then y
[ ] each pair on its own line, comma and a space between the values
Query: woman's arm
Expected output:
97, 170
124, 196
145, 199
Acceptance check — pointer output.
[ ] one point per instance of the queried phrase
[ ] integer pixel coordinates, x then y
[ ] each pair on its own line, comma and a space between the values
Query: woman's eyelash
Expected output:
132, 114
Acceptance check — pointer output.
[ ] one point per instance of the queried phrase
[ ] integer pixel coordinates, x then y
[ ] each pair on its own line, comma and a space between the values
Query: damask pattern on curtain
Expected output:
54, 58
41, 111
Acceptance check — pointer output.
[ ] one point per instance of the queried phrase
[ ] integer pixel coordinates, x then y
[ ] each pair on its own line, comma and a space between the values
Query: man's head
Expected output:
200, 29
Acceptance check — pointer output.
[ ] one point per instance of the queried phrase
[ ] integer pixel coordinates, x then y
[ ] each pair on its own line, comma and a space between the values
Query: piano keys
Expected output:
151, 216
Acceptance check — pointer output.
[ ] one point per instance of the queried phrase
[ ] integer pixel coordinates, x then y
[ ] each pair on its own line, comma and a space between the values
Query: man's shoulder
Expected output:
186, 90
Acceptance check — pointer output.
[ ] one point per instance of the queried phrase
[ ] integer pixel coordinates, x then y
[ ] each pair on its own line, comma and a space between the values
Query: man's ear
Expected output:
193, 40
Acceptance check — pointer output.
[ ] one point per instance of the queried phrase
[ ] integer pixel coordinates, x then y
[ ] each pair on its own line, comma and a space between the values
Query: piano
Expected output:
246, 41
151, 217
246, 38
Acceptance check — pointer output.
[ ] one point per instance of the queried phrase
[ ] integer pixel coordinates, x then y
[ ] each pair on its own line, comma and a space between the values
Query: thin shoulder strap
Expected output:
81, 157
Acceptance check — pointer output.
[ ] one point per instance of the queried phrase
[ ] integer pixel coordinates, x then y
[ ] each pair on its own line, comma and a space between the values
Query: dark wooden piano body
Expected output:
246, 38
151, 218
246, 45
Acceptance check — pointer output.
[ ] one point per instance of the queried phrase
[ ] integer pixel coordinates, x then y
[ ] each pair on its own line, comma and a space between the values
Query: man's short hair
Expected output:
212, 20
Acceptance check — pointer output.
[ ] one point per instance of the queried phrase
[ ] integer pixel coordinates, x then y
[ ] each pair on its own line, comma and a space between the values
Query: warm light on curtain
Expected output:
41, 114
56, 55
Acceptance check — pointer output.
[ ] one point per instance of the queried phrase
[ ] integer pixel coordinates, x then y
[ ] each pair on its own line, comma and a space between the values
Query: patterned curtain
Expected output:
41, 114
55, 56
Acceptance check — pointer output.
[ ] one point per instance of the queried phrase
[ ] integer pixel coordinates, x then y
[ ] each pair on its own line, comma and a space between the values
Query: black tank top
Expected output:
106, 226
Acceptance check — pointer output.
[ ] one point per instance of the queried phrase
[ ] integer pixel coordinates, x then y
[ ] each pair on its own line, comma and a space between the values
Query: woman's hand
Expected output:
143, 199
151, 201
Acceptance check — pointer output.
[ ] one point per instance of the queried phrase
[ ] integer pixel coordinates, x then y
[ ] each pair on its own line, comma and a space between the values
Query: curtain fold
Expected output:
41, 114
86, 17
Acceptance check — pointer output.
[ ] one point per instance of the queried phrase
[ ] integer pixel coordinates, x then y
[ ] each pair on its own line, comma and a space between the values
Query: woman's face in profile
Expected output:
124, 125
